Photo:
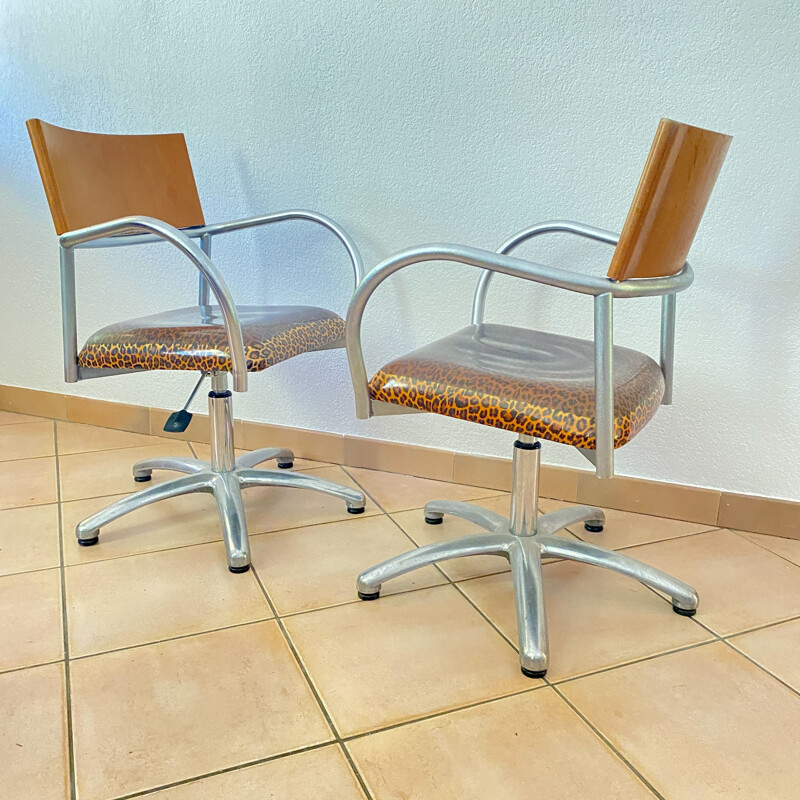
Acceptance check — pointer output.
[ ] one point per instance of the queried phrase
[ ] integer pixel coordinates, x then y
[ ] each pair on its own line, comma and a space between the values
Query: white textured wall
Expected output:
415, 121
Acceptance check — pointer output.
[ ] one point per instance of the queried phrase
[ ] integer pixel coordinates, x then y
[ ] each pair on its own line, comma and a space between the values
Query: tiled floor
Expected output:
142, 667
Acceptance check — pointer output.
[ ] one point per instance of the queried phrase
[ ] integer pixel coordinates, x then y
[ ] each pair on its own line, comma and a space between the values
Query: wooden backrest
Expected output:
678, 177
93, 177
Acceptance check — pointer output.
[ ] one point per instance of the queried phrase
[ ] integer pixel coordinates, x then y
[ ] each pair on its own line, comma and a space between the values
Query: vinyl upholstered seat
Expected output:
525, 381
189, 339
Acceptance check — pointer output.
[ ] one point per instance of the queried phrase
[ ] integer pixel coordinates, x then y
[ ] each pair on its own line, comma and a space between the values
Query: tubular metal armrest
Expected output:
158, 230
551, 226
603, 290
218, 228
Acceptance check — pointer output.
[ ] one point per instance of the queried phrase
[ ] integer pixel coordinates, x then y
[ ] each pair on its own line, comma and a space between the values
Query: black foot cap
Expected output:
142, 478
533, 673
355, 510
368, 595
285, 465
239, 570
684, 612
88, 542
592, 527
434, 520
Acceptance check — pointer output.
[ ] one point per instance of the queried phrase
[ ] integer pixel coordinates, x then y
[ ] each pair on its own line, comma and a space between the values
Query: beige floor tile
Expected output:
28, 440
167, 712
74, 437
776, 648
30, 621
29, 482
9, 418
700, 724
179, 521
394, 492
33, 734
271, 508
28, 538
308, 568
595, 618
459, 569
626, 528
107, 472
740, 584
128, 601
383, 662
300, 464
786, 548
317, 775
522, 747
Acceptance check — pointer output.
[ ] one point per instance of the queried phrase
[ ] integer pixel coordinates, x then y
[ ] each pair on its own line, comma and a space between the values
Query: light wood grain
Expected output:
680, 173
92, 177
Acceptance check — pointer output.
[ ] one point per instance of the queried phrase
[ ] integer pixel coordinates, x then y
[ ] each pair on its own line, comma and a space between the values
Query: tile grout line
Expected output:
317, 696
71, 766
598, 733
224, 771
761, 667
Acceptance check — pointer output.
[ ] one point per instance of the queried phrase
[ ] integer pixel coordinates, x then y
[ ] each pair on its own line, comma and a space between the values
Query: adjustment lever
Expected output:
178, 421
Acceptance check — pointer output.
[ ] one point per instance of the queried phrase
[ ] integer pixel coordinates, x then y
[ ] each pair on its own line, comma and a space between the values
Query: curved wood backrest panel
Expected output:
94, 177
680, 173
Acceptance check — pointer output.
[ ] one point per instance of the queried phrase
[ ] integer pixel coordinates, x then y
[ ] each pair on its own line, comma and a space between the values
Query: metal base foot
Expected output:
226, 486
684, 612
593, 527
142, 478
525, 554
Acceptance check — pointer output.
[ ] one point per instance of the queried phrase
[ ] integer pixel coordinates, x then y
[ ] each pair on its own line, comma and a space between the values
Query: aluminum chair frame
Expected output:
525, 538
225, 476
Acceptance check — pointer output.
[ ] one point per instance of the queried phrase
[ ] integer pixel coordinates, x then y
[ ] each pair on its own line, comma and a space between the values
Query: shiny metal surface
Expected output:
69, 320
202, 262
203, 290
191, 466
256, 457
668, 302
220, 412
224, 478
604, 384
219, 228
525, 486
525, 553
552, 226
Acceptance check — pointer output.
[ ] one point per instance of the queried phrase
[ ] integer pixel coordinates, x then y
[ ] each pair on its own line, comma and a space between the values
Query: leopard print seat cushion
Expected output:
530, 382
182, 339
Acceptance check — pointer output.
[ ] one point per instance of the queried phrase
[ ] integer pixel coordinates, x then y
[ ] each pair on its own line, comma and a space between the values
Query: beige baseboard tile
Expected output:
198, 430
409, 459
556, 483
658, 499
316, 445
105, 414
33, 402
760, 515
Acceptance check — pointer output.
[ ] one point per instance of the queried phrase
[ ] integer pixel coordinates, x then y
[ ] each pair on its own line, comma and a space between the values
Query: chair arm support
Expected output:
218, 228
284, 216
552, 226
159, 230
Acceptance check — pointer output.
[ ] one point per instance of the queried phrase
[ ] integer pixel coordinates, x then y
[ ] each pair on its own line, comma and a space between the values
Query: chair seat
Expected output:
529, 382
182, 339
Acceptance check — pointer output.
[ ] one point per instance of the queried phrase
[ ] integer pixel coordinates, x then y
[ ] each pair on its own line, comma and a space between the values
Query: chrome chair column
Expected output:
525, 539
224, 478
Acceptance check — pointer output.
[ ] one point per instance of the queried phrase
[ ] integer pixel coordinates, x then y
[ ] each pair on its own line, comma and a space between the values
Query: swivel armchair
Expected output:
591, 395
128, 191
